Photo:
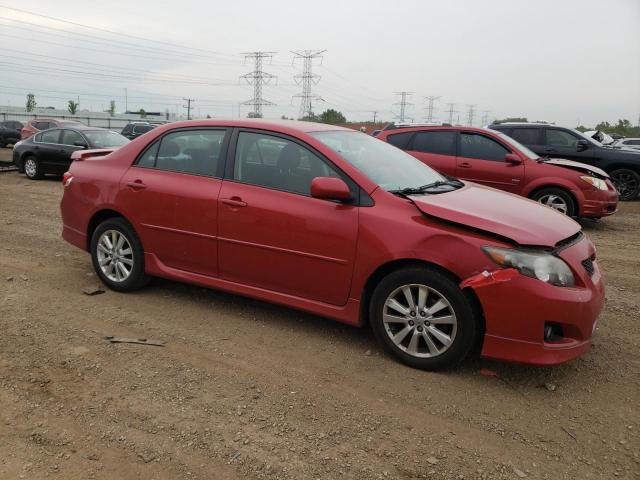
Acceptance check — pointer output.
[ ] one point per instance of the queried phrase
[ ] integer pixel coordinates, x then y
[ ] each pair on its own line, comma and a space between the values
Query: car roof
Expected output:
425, 128
259, 123
524, 124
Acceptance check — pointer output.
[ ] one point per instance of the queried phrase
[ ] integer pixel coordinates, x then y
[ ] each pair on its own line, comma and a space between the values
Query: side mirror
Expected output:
512, 159
582, 145
330, 188
80, 143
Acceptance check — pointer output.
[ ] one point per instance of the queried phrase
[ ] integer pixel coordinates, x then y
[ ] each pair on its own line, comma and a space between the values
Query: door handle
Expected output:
234, 202
550, 150
465, 165
137, 185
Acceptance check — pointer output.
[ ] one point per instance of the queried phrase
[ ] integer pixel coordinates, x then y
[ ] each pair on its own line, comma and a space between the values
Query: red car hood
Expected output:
523, 221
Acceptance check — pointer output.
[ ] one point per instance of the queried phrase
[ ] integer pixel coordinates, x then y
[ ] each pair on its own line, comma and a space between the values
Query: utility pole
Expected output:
403, 104
430, 100
374, 116
485, 117
126, 101
451, 112
470, 113
258, 78
188, 106
307, 78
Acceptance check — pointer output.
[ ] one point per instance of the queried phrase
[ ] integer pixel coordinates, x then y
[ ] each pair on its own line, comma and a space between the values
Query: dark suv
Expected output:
547, 140
135, 129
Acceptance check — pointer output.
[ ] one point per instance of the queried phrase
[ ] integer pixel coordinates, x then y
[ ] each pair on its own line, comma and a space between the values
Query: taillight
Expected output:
67, 178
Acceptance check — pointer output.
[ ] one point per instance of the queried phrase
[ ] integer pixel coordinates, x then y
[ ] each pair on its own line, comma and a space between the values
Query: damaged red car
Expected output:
337, 223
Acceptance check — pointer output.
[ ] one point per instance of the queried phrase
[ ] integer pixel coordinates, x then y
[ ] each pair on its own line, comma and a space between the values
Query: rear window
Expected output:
400, 140
142, 128
526, 136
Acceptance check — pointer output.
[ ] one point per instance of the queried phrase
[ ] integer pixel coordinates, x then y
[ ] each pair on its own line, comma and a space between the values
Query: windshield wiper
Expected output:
428, 188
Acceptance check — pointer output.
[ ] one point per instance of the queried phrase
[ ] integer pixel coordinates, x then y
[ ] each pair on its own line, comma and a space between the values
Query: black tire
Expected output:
32, 168
137, 277
627, 183
569, 203
467, 319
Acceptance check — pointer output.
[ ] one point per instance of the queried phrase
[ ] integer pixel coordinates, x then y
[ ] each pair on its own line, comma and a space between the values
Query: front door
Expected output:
171, 196
273, 234
563, 144
481, 159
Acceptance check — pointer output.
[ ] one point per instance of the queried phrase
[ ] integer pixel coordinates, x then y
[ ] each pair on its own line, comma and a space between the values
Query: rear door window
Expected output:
41, 125
526, 136
49, 136
400, 140
196, 152
438, 142
474, 145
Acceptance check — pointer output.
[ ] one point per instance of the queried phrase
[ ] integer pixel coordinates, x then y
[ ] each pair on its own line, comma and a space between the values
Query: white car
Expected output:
628, 143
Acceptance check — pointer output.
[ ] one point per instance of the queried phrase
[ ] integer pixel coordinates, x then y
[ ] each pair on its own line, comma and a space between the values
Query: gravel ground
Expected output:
248, 390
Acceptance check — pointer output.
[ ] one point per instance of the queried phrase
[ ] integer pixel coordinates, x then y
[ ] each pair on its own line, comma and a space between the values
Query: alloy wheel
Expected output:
115, 255
30, 167
625, 182
554, 201
419, 320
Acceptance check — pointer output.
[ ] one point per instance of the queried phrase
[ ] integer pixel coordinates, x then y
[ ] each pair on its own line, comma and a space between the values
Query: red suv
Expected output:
496, 160
38, 124
340, 224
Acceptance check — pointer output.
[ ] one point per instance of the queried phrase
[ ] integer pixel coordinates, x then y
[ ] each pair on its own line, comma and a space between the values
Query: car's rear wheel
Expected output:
627, 182
118, 256
421, 316
32, 168
557, 199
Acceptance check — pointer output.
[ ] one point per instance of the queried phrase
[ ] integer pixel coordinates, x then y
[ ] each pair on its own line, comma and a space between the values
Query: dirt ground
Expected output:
248, 390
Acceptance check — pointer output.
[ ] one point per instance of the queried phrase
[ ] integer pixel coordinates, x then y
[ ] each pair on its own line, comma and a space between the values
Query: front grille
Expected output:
587, 263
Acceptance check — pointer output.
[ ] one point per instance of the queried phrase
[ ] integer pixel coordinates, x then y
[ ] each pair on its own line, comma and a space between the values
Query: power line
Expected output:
307, 78
258, 78
451, 112
430, 99
470, 113
403, 104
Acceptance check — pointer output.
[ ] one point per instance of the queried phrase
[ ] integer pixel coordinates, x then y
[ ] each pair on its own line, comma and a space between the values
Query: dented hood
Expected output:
580, 167
482, 208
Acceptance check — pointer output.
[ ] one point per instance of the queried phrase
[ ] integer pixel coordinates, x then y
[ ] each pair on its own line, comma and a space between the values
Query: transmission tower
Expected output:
485, 117
307, 78
451, 112
470, 114
430, 100
403, 105
257, 78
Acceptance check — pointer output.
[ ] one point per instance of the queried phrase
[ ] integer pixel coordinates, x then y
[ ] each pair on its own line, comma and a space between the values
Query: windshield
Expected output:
384, 164
518, 146
105, 138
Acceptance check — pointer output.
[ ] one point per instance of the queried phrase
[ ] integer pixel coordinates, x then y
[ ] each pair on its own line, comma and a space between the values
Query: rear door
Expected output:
47, 148
481, 159
436, 148
530, 137
171, 196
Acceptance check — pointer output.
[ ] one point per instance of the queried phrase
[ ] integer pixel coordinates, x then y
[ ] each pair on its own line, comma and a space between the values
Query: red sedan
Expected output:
340, 224
492, 158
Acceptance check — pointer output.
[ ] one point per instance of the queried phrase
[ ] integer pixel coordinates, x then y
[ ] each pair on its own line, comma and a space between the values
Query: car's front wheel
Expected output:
118, 256
557, 199
627, 182
421, 316
32, 168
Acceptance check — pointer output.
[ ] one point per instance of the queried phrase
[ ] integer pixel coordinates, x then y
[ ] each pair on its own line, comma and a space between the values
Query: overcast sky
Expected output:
568, 61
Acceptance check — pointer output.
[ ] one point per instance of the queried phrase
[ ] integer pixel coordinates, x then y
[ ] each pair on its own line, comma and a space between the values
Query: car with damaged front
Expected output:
337, 223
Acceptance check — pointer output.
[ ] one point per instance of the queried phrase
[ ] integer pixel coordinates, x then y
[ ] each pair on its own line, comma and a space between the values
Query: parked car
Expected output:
493, 159
13, 124
50, 151
622, 165
135, 129
39, 124
337, 223
8, 136
627, 143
